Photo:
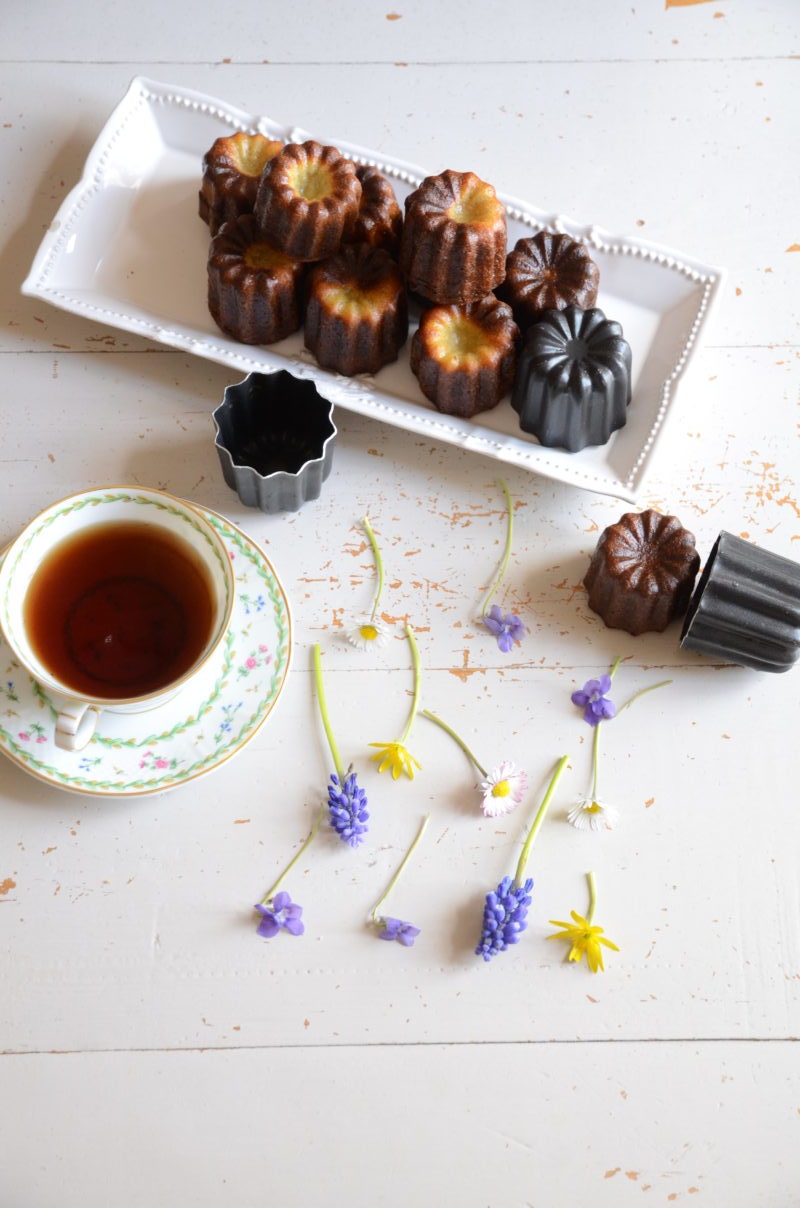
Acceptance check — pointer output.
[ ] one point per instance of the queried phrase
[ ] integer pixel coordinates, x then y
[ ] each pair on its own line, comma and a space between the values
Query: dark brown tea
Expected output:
119, 610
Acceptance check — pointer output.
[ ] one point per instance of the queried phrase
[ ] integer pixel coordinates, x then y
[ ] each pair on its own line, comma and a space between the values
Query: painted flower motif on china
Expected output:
34, 733
158, 761
259, 656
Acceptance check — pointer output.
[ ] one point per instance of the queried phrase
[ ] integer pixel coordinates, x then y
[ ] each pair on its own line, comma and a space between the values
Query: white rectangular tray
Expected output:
128, 248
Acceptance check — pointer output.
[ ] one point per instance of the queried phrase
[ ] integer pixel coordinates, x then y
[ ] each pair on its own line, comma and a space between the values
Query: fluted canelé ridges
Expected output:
454, 239
232, 168
548, 272
642, 572
464, 357
357, 314
380, 219
254, 291
307, 201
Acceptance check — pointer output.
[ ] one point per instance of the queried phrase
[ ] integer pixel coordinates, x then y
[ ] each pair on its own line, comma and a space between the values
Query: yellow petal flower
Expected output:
583, 938
396, 757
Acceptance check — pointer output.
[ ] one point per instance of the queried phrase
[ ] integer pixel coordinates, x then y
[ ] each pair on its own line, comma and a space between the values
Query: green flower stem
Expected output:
506, 553
374, 912
412, 641
270, 894
592, 897
642, 692
457, 737
376, 553
323, 708
595, 751
596, 738
539, 819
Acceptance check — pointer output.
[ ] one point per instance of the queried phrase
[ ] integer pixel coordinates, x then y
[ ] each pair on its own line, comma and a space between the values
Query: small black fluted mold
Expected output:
573, 382
275, 438
746, 607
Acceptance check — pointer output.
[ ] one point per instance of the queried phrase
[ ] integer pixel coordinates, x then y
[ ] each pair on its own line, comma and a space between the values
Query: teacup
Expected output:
114, 599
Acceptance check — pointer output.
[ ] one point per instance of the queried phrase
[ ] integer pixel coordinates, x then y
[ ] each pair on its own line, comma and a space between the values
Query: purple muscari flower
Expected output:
504, 917
593, 700
282, 915
396, 929
347, 806
507, 629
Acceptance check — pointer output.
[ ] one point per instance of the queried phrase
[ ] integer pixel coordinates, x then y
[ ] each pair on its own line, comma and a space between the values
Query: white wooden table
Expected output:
154, 1049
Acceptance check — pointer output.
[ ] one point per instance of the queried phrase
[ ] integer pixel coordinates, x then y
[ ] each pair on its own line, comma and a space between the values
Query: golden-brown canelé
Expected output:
232, 168
255, 293
548, 272
356, 314
453, 249
380, 219
642, 572
307, 201
465, 356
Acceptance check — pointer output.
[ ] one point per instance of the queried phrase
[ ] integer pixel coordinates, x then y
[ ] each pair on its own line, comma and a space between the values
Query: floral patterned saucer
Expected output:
132, 755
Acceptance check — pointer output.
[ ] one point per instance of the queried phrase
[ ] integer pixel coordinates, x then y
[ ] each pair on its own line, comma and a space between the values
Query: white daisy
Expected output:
367, 633
503, 788
590, 814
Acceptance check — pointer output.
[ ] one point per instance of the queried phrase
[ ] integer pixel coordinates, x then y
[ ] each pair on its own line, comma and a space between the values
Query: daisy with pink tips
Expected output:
502, 788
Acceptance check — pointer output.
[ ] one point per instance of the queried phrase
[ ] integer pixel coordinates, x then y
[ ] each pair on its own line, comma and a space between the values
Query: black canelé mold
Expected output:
573, 382
746, 607
275, 439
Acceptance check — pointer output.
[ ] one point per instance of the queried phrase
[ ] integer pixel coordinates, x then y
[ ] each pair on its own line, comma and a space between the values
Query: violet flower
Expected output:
392, 928
507, 628
278, 911
347, 809
593, 700
397, 929
281, 914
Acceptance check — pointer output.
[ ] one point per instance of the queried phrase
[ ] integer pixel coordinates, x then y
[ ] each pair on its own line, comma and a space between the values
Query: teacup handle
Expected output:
75, 725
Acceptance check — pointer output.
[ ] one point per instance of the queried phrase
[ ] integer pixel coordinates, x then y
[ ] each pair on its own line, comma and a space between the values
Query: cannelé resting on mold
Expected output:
464, 356
573, 383
254, 292
642, 572
356, 314
307, 201
232, 168
548, 272
453, 249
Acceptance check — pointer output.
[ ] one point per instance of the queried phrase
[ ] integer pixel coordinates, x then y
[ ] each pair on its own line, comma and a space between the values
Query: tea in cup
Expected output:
114, 599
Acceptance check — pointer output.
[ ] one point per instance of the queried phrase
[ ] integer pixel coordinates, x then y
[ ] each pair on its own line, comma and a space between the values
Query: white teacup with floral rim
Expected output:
114, 598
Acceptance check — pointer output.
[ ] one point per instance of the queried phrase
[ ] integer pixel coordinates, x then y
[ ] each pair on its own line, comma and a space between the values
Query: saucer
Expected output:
135, 754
